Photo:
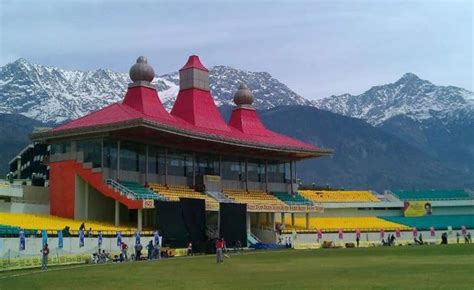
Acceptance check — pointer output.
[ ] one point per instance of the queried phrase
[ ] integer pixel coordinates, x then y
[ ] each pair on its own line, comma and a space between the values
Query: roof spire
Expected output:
243, 97
141, 73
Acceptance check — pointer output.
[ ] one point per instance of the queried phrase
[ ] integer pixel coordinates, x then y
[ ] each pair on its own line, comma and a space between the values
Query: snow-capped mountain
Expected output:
51, 94
410, 96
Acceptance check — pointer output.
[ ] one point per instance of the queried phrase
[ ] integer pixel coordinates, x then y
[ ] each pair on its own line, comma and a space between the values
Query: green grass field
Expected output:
421, 267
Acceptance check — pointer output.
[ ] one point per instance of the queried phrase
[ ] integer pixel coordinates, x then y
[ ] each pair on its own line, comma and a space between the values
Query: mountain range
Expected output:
410, 133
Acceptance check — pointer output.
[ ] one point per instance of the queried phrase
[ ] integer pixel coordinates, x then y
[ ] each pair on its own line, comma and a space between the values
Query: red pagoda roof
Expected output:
194, 115
194, 62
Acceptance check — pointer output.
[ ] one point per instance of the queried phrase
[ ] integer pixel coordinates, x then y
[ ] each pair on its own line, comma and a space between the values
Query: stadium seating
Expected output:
295, 199
139, 190
175, 192
439, 222
47, 222
338, 196
432, 194
333, 224
254, 197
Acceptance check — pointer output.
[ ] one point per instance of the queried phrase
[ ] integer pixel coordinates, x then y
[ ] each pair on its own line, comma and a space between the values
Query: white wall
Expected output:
16, 207
9, 247
375, 238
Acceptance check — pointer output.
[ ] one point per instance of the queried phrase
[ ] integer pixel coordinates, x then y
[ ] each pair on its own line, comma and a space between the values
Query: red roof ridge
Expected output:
194, 62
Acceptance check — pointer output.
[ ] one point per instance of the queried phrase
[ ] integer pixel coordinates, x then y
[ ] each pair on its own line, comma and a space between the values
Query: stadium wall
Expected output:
374, 238
18, 207
36, 194
9, 248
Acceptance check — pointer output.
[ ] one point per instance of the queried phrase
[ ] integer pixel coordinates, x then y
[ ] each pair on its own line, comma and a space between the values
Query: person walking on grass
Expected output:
44, 260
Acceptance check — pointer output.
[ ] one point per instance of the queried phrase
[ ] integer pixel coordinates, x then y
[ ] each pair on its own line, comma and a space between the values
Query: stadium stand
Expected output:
9, 231
332, 224
253, 197
295, 199
175, 192
53, 223
338, 196
439, 222
432, 194
139, 190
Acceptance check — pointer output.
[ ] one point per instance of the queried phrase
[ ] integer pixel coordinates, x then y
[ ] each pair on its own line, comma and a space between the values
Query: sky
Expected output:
317, 48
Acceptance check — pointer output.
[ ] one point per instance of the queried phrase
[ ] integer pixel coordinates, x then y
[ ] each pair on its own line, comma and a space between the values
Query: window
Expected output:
92, 150
156, 160
61, 148
207, 165
110, 154
179, 163
132, 156
233, 168
276, 172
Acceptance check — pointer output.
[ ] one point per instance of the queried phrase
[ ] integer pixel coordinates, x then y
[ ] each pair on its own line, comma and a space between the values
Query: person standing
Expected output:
44, 260
357, 240
150, 248
157, 250
219, 247
138, 251
124, 247
190, 249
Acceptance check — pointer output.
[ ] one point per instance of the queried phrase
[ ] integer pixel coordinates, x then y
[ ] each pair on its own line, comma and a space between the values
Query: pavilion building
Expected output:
103, 165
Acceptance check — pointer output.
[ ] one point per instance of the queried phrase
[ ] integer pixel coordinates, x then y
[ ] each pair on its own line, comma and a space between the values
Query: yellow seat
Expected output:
333, 224
339, 195
48, 222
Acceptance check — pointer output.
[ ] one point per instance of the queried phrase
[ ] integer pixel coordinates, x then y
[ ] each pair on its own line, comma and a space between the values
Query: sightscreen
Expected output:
182, 222
233, 223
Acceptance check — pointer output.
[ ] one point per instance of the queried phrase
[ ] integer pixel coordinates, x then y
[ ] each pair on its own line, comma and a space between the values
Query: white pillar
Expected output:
86, 200
139, 219
272, 220
248, 223
18, 168
117, 213
307, 221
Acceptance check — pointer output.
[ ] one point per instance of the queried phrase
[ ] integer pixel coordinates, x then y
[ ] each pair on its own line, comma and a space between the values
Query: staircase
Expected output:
252, 239
139, 194
62, 187
219, 196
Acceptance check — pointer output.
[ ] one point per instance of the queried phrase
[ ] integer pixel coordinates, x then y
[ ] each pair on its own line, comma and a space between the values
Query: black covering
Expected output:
233, 223
194, 216
182, 222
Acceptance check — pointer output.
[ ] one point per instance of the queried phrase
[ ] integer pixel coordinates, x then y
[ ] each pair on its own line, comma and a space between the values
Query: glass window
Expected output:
156, 160
61, 148
233, 168
207, 165
92, 150
287, 172
179, 163
132, 156
276, 172
110, 154
255, 171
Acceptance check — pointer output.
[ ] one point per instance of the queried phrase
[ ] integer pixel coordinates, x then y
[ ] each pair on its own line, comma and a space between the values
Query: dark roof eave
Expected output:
52, 134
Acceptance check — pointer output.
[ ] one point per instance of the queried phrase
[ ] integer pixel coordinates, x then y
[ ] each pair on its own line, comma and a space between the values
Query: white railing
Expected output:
121, 189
